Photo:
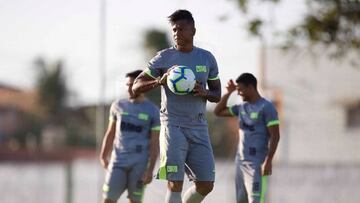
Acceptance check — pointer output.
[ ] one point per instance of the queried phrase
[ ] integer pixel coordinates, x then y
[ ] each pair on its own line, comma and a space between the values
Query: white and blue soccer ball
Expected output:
181, 80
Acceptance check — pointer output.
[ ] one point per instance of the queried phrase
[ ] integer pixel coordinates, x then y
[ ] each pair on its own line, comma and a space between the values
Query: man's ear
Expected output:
194, 31
253, 87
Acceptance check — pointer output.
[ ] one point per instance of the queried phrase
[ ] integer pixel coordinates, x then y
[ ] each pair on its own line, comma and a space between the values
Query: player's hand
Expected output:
104, 162
162, 80
230, 86
147, 177
199, 90
266, 168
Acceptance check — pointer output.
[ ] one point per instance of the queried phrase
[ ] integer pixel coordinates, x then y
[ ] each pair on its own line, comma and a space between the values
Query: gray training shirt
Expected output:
184, 110
253, 121
134, 122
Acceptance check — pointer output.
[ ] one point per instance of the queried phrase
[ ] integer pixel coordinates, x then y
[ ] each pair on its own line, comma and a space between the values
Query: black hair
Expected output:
247, 79
133, 74
181, 15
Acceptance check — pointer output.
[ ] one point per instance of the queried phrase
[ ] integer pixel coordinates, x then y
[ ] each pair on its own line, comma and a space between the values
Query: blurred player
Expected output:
259, 123
133, 138
184, 138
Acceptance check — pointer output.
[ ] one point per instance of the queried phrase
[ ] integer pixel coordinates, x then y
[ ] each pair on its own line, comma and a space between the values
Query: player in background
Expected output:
259, 123
184, 139
133, 138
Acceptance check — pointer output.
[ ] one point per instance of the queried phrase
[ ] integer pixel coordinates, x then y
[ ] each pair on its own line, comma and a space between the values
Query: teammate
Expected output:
184, 138
133, 138
259, 123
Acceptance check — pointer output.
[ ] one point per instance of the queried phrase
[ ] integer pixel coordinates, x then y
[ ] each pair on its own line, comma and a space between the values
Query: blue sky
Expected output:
69, 30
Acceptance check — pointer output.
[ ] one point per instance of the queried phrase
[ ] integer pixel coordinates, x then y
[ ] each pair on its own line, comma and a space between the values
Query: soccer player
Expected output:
259, 123
133, 138
184, 139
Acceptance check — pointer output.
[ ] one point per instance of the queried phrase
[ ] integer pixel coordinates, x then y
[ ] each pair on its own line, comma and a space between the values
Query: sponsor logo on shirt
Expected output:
130, 127
254, 115
143, 116
248, 127
171, 169
201, 69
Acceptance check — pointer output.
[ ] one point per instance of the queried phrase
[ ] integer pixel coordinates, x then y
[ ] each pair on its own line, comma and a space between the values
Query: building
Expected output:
14, 105
318, 159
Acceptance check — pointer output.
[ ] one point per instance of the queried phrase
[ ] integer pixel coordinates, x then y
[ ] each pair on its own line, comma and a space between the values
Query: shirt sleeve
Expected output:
234, 110
213, 70
271, 115
155, 122
155, 65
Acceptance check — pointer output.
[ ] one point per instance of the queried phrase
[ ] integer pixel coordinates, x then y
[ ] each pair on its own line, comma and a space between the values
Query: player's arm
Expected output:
145, 82
213, 94
274, 132
153, 155
221, 108
214, 91
107, 144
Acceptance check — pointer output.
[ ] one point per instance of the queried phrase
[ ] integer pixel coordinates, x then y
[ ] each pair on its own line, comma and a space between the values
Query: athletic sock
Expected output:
192, 196
173, 197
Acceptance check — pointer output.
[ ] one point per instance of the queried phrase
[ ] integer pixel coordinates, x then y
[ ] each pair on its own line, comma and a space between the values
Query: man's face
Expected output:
183, 32
243, 91
129, 84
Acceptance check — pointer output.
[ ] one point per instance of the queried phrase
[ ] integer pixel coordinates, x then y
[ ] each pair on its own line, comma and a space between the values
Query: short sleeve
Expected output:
213, 70
271, 115
155, 66
234, 110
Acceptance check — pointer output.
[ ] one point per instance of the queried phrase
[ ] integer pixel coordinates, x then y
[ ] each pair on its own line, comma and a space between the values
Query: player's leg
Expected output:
201, 165
198, 192
173, 150
241, 195
253, 182
115, 184
173, 194
135, 186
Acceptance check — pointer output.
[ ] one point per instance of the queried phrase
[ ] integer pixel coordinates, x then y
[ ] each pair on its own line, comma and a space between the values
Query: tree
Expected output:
328, 22
155, 40
52, 90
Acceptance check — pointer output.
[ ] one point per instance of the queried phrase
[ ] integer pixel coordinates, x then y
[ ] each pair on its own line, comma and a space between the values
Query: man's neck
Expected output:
254, 98
137, 99
186, 48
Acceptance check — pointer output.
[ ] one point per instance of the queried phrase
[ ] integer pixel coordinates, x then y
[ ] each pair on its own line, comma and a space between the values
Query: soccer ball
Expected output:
181, 80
